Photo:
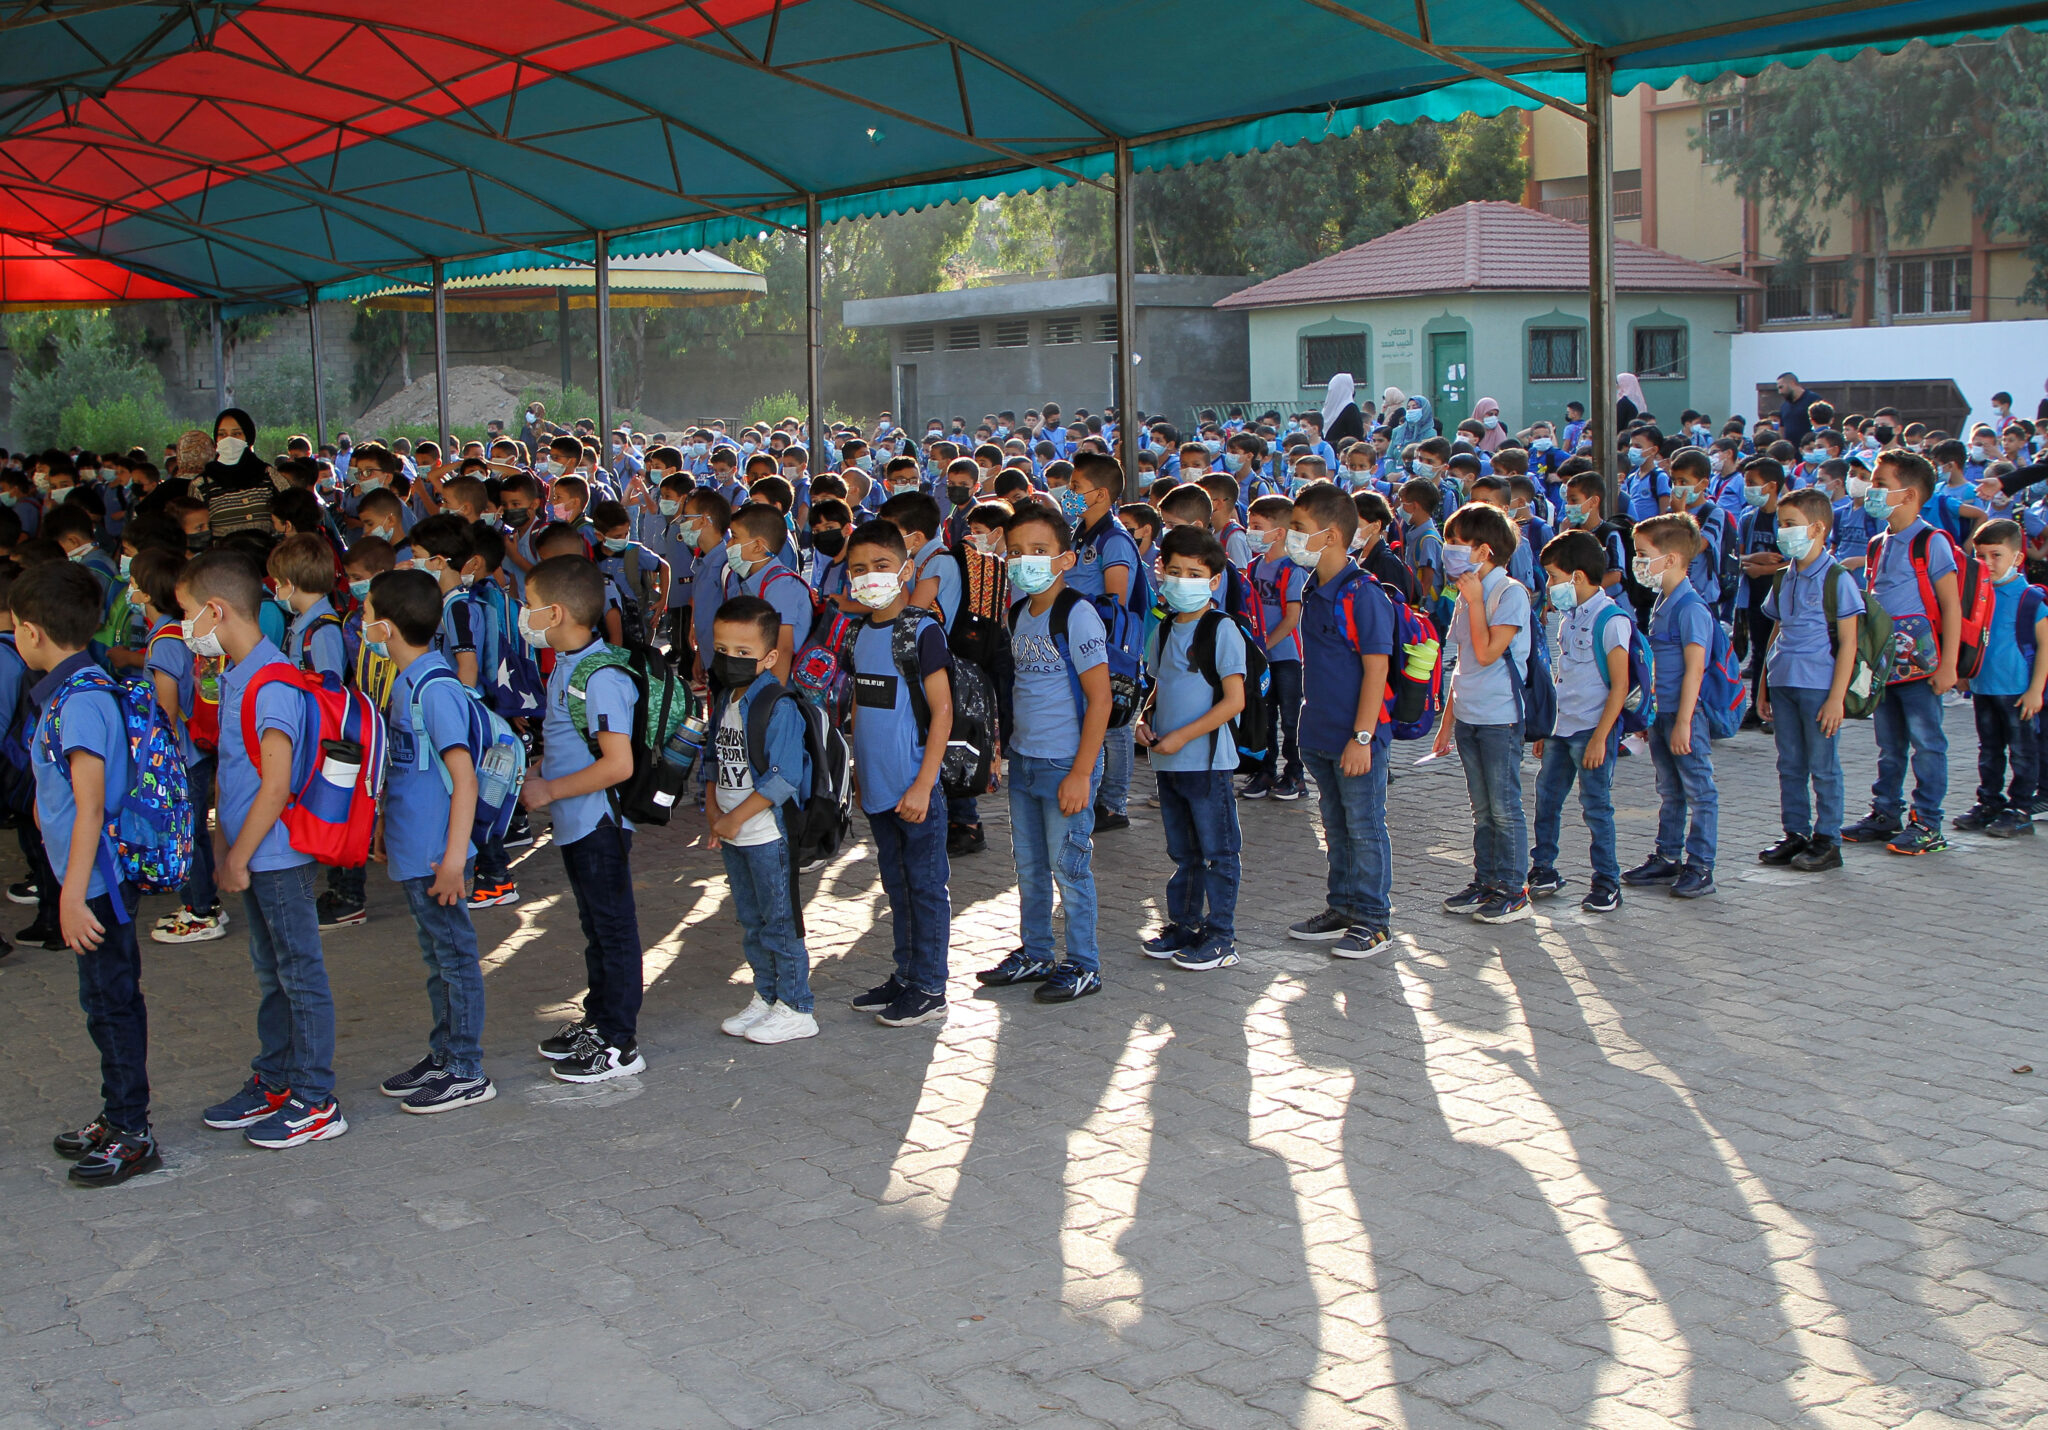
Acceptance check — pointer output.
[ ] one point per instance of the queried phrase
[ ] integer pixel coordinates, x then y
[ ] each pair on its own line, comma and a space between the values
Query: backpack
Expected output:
1624, 526
978, 637
817, 672
633, 596
1415, 675
304, 659
1251, 729
1724, 694
497, 752
1639, 706
819, 827
507, 669
17, 778
202, 721
1126, 675
970, 748
333, 811
1916, 640
147, 840
1535, 689
1875, 651
2033, 605
667, 735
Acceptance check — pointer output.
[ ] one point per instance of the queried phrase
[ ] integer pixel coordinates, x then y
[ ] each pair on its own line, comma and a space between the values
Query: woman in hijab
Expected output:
1418, 424
237, 484
1341, 417
1487, 413
1631, 404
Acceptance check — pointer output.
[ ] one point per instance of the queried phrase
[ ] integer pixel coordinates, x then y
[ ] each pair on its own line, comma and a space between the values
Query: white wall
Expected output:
1981, 358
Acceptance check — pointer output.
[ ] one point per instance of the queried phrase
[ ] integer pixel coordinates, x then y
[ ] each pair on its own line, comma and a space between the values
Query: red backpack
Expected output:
333, 810
1973, 592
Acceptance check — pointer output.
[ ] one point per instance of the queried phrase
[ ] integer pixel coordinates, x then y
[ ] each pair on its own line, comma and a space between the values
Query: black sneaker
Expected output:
1784, 851
1171, 940
340, 913
24, 892
2010, 824
912, 1008
1917, 838
563, 1042
1325, 926
414, 1078
1288, 789
1545, 882
1257, 787
595, 1060
114, 1161
1977, 816
1873, 828
1654, 870
444, 1092
1468, 899
1505, 906
1602, 899
1819, 856
1693, 882
1360, 942
1218, 952
1066, 983
519, 833
880, 996
40, 934
1019, 967
77, 1143
1107, 820
965, 839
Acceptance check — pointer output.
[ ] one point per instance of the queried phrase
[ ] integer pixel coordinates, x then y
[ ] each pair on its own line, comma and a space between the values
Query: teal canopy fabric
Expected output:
253, 149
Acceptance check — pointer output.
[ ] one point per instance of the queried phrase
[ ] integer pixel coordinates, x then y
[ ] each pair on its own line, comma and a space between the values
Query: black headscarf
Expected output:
250, 471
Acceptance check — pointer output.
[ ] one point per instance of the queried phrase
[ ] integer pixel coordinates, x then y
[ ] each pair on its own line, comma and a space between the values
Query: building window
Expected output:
1567, 198
1930, 285
1819, 292
1660, 352
1013, 333
962, 337
1061, 331
917, 340
1105, 328
1724, 123
1322, 358
1554, 354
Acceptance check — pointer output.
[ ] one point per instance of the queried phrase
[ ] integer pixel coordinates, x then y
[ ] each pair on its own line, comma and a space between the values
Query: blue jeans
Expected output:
110, 993
1561, 767
1052, 846
1908, 722
1806, 758
962, 811
1283, 699
764, 901
1199, 810
2002, 733
455, 982
295, 1020
1354, 811
1492, 756
200, 894
1119, 753
600, 873
914, 875
1688, 806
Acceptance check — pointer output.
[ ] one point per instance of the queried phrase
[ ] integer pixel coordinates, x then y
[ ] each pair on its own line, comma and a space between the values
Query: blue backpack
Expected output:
17, 779
1535, 691
495, 749
506, 668
1724, 694
1127, 681
1639, 706
147, 841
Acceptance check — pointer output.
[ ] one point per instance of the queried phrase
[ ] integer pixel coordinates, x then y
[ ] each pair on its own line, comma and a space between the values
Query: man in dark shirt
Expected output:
1794, 421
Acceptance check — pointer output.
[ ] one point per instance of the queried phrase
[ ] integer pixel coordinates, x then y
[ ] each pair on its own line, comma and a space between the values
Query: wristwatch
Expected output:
1362, 737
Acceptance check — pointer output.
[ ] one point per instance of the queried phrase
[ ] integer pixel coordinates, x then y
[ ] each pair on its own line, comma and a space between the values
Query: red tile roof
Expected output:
1487, 247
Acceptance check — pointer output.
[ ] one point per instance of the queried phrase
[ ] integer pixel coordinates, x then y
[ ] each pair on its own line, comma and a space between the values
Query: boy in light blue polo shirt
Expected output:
1490, 629
1423, 549
1681, 637
2006, 692
706, 517
1107, 564
1806, 672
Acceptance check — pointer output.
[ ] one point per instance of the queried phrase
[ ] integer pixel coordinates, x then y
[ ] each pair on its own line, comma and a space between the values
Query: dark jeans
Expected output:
676, 631
962, 811
914, 875
1050, 848
455, 981
200, 893
2003, 735
1760, 628
1283, 700
351, 886
295, 1019
1688, 804
1561, 768
1199, 810
1908, 724
1354, 809
1492, 756
492, 863
1806, 758
601, 877
39, 872
764, 901
110, 992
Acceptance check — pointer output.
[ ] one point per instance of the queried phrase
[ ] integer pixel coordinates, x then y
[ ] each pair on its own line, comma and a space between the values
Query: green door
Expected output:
1448, 356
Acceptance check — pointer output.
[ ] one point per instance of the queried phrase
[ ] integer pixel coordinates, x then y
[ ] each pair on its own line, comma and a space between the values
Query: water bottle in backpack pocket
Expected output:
332, 811
663, 704
495, 750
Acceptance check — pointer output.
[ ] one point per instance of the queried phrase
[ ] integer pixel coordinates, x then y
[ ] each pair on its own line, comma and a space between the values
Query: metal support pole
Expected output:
220, 363
319, 385
562, 336
441, 356
814, 332
1600, 401
603, 309
1126, 322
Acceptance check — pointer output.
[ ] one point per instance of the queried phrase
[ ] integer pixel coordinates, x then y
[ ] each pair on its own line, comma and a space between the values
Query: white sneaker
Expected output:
783, 1024
188, 927
748, 1016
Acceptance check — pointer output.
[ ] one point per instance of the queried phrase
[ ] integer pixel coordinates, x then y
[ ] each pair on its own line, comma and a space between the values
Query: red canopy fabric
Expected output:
34, 275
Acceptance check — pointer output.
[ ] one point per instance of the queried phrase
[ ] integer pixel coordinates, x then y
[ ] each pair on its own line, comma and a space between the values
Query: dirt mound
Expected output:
476, 395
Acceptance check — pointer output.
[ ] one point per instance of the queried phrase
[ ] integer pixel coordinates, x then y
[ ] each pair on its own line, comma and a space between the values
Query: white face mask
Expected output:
206, 647
230, 450
876, 589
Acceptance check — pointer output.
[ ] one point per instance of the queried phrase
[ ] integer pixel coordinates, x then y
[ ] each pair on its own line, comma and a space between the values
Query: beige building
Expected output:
1669, 196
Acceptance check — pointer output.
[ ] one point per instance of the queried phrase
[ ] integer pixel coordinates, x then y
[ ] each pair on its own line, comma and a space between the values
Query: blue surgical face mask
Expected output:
1185, 594
1574, 514
1683, 496
366, 484
1073, 506
669, 506
1540, 444
1458, 561
1233, 461
1795, 543
1635, 456
1752, 496
359, 589
616, 544
1031, 574
126, 562
1563, 596
1877, 503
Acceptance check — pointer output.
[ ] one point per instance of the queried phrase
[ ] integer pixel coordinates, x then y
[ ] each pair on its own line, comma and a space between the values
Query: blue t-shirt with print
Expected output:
886, 747
1046, 720
608, 706
2005, 671
1182, 696
416, 804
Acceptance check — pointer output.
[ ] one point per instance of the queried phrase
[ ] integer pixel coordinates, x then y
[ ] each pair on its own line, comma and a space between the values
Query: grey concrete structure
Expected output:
1015, 345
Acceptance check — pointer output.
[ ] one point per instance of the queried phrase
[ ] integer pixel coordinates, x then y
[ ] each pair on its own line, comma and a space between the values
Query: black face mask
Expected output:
961, 495
198, 541
733, 672
1884, 434
517, 516
829, 542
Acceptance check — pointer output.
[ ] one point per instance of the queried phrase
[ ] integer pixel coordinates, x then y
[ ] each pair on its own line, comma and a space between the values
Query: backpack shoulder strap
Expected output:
758, 716
904, 634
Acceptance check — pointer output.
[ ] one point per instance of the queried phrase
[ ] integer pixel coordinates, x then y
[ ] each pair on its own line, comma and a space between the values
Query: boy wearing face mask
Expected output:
756, 534
1107, 568
706, 519
1806, 678
831, 526
1691, 492
1187, 730
1423, 548
900, 764
1647, 486
2006, 692
301, 570
678, 552
1681, 635
636, 574
1846, 486
1274, 606
1756, 542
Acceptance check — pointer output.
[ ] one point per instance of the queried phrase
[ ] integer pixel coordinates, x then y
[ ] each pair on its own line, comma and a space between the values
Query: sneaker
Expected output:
1873, 828
1692, 882
1360, 942
1218, 952
1784, 851
298, 1121
1545, 882
563, 1042
414, 1078
1654, 870
757, 1008
519, 833
1108, 820
1818, 856
446, 1092
1468, 900
1976, 817
1917, 838
1019, 967
783, 1025
595, 1060
1506, 906
340, 913
965, 839
188, 927
1602, 899
1257, 787
913, 1008
489, 896
880, 996
1325, 926
1288, 789
1170, 940
114, 1161
2010, 823
2039, 805
48, 935
25, 892
1067, 983
251, 1104
77, 1143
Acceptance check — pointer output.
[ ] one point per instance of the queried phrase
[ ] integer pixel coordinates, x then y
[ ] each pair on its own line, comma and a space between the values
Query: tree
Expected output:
2011, 73
73, 369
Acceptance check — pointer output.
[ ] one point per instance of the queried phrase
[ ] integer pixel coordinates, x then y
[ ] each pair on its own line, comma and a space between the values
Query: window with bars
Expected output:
1327, 354
1660, 352
1013, 333
1554, 354
1105, 328
962, 337
1930, 285
918, 340
1061, 331
1820, 291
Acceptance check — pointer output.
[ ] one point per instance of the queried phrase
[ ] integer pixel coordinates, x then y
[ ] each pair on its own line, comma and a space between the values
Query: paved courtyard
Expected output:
1766, 1160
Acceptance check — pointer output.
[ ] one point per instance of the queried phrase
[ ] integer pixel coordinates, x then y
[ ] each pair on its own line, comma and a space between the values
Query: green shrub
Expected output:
118, 425
781, 406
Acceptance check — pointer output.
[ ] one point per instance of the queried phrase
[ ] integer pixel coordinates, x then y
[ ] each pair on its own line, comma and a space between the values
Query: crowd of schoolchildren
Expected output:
383, 654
